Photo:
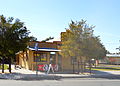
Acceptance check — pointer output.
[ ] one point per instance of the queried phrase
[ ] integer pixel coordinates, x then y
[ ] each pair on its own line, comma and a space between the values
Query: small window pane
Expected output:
40, 57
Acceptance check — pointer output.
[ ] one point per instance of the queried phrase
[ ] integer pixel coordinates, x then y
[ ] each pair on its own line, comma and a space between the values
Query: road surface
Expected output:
62, 82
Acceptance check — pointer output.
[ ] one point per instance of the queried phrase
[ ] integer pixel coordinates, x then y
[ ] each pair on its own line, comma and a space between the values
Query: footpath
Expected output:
23, 74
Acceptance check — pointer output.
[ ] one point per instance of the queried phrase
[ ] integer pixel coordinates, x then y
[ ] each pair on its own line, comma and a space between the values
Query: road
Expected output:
63, 82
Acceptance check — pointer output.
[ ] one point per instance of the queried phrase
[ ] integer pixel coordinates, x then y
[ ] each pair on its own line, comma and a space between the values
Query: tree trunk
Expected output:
90, 66
9, 64
15, 62
0, 63
3, 64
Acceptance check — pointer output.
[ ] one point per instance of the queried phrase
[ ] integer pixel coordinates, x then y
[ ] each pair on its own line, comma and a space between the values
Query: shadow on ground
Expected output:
28, 77
104, 75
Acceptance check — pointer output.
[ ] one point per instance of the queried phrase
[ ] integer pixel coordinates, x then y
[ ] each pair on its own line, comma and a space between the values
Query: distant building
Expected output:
113, 58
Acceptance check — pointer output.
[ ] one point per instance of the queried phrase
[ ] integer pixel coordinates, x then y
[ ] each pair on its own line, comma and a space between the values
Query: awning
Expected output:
46, 49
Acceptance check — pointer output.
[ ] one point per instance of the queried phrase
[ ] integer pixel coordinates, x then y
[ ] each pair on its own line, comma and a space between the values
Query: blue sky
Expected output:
46, 18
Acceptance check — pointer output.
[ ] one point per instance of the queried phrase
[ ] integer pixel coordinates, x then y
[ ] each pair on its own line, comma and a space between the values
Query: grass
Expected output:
5, 67
107, 68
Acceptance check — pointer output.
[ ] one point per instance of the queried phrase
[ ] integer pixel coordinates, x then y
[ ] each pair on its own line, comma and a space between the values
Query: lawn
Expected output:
5, 67
107, 68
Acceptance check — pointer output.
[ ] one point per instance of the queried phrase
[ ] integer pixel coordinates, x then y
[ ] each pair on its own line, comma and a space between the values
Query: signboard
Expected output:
45, 67
36, 46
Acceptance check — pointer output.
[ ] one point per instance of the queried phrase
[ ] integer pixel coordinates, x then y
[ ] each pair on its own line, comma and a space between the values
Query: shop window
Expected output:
40, 57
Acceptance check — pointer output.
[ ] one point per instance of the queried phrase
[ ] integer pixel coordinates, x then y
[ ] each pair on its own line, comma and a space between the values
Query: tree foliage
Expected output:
14, 36
79, 41
47, 39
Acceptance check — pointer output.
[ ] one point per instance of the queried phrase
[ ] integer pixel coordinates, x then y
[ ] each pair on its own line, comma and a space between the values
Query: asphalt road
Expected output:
63, 82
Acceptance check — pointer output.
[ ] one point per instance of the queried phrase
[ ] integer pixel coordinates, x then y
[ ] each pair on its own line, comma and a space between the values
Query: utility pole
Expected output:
36, 49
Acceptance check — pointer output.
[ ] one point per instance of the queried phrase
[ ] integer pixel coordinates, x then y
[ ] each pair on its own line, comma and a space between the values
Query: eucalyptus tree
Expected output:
80, 41
75, 38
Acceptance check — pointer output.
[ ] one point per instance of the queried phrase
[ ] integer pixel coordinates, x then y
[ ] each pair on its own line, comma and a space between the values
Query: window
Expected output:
40, 57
